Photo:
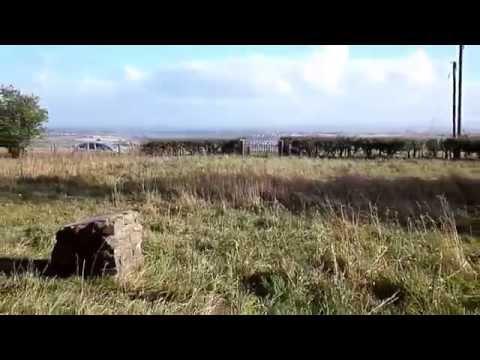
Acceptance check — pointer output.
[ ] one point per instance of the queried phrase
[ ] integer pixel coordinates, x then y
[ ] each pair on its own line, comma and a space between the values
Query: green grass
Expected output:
224, 236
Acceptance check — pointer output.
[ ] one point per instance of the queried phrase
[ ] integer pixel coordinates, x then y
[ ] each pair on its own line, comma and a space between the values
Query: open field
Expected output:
232, 235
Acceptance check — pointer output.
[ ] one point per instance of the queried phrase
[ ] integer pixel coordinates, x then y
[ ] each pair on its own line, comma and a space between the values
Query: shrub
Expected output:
21, 119
191, 147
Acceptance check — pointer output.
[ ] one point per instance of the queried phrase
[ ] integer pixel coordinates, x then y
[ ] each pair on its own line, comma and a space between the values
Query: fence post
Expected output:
54, 148
242, 147
280, 148
289, 149
118, 148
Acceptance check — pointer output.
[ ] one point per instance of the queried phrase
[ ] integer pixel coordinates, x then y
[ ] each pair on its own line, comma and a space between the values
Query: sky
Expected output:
316, 88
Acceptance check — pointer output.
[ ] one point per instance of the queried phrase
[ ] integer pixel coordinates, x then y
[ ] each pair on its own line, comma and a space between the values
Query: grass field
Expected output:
226, 235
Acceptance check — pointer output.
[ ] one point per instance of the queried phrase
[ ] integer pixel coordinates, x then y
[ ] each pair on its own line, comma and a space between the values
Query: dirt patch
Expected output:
469, 226
474, 258
263, 284
383, 288
265, 223
318, 297
471, 302
203, 245
326, 264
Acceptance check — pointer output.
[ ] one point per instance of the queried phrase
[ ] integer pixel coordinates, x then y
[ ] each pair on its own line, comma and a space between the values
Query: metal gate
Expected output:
261, 147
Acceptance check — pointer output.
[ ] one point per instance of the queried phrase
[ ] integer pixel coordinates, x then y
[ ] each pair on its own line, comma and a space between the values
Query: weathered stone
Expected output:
107, 244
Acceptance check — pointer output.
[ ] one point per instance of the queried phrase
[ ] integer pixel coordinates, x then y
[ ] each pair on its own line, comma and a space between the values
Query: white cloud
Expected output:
323, 71
93, 85
46, 78
41, 77
283, 86
327, 88
326, 68
133, 74
416, 68
252, 76
420, 68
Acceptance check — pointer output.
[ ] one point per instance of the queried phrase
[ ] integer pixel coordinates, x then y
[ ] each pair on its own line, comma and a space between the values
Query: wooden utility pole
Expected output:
460, 68
454, 98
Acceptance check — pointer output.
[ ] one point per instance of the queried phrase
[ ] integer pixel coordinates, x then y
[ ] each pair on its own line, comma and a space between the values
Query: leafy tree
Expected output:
21, 119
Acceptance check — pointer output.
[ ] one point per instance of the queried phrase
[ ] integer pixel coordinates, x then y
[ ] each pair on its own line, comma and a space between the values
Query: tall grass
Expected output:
397, 189
229, 235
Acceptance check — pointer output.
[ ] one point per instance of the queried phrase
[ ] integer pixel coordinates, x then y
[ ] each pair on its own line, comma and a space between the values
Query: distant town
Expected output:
66, 138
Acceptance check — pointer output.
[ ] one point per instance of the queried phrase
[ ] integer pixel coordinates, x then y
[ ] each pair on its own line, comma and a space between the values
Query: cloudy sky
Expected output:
325, 88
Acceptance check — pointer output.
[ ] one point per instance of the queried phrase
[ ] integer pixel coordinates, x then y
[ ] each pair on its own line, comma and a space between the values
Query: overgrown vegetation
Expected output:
191, 147
345, 147
226, 235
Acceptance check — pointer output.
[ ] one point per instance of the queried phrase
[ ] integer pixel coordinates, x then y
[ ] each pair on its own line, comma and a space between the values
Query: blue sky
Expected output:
329, 88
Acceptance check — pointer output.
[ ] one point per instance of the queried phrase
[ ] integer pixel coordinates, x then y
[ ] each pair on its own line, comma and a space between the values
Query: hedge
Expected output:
191, 147
347, 147
328, 147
